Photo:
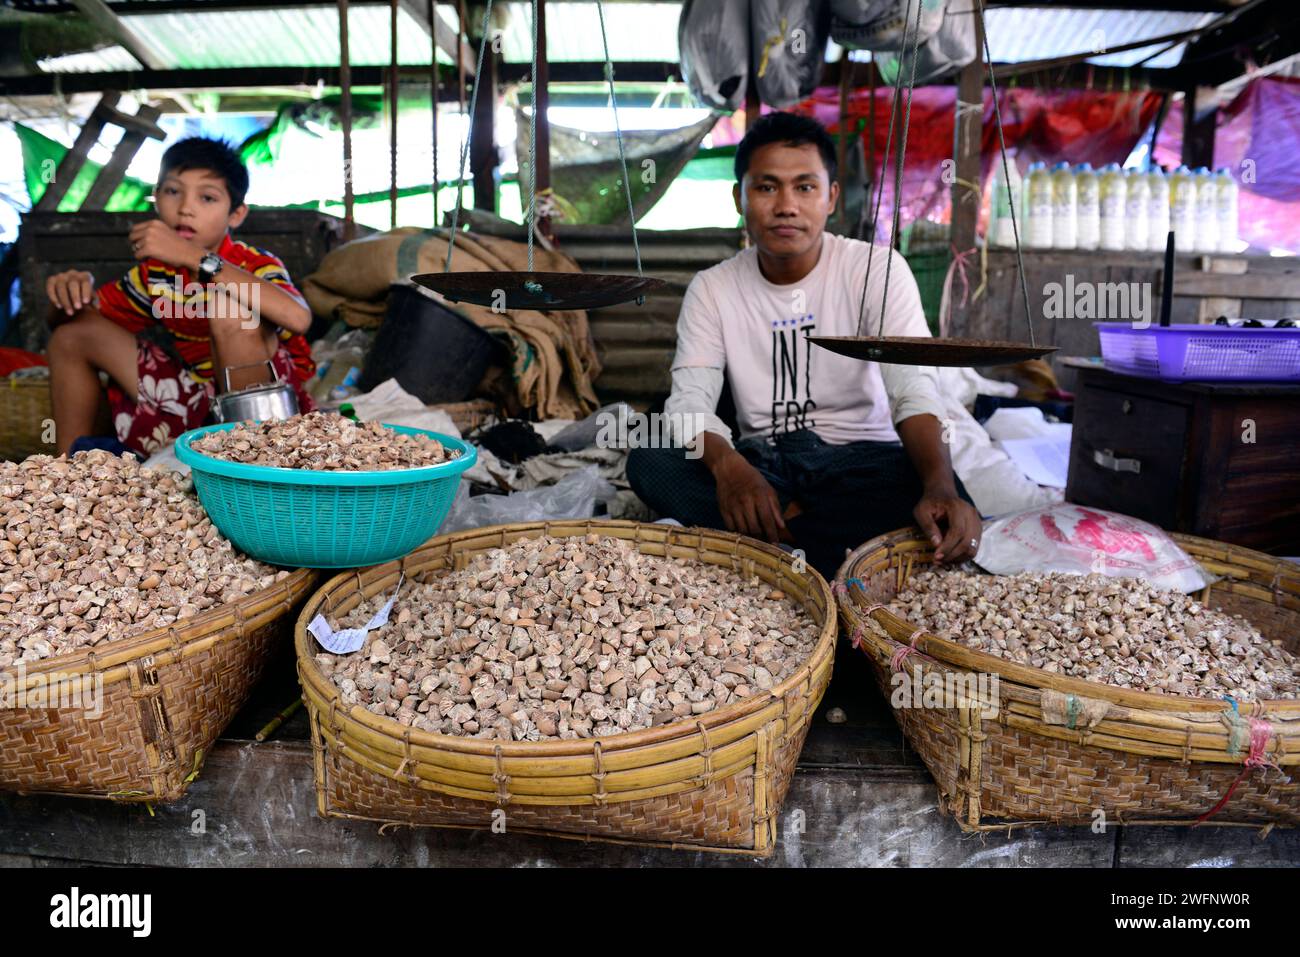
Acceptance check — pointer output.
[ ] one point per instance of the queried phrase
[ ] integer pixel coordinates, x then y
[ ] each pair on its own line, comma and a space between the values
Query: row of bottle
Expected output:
1115, 209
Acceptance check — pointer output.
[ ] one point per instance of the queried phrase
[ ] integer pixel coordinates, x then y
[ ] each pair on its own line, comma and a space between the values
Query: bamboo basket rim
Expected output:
317, 685
23, 381
951, 653
113, 657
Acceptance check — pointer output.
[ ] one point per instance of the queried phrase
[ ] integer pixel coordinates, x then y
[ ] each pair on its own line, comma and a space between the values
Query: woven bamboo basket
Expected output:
146, 709
1061, 748
24, 410
715, 782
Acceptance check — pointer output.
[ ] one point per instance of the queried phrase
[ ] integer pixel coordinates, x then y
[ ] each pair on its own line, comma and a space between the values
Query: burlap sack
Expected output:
553, 358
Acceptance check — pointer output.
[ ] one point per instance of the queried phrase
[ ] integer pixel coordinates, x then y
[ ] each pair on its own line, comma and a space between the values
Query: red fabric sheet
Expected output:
1073, 125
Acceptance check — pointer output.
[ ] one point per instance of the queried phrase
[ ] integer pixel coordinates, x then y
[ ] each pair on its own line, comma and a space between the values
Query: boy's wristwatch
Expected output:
209, 266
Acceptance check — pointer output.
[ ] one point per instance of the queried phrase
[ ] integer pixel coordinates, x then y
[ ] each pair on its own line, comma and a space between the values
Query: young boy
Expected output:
162, 340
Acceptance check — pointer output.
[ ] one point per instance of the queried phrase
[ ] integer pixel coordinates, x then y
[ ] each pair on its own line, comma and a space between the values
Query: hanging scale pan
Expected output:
538, 290
925, 351
558, 291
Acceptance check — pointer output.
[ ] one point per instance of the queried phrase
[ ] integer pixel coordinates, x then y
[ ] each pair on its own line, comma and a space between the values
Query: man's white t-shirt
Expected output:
733, 318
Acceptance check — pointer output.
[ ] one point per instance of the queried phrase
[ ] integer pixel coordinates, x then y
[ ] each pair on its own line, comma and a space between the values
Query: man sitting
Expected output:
819, 464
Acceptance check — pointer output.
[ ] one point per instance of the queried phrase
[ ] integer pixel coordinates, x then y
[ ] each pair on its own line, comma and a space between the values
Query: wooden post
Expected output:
433, 99
753, 106
1200, 117
482, 134
392, 115
460, 52
966, 135
345, 89
841, 146
871, 139
541, 104
75, 158
114, 171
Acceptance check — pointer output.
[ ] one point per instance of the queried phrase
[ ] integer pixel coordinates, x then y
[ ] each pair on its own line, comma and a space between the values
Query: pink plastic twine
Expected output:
958, 266
896, 662
1260, 732
855, 639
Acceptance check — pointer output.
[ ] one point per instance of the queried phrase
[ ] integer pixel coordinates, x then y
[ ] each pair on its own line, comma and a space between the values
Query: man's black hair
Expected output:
216, 156
789, 128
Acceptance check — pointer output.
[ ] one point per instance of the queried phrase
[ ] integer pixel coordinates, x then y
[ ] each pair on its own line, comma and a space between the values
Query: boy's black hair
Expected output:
789, 128
217, 156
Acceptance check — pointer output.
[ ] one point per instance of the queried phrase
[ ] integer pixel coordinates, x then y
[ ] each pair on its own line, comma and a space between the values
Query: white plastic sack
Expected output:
883, 24
389, 403
713, 42
788, 47
574, 496
951, 48
995, 483
1076, 540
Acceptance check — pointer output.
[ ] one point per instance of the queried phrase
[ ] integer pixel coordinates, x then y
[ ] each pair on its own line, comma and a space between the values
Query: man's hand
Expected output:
748, 503
943, 512
154, 239
71, 290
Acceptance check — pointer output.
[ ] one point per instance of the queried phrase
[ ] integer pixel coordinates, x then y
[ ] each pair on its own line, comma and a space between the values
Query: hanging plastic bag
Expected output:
574, 496
950, 49
860, 11
885, 24
788, 44
713, 42
1076, 540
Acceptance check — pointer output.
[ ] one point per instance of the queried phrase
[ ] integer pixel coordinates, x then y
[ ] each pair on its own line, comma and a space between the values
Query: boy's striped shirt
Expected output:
130, 302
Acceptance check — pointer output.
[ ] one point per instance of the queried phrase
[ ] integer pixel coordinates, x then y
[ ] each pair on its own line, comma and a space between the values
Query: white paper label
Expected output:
351, 639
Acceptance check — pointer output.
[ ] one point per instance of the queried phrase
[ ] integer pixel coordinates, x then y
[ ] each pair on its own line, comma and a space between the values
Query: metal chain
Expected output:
1002, 147
618, 133
880, 186
898, 166
464, 150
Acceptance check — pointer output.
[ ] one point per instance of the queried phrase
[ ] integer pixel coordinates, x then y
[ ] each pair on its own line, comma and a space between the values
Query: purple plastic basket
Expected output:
1184, 352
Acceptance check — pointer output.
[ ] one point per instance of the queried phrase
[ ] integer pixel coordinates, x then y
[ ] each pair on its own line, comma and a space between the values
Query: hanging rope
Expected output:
898, 167
880, 185
532, 151
1002, 148
464, 150
618, 133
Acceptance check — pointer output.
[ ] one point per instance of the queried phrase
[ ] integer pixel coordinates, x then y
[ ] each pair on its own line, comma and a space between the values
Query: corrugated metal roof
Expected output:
636, 32
1017, 34
301, 36
106, 60
308, 36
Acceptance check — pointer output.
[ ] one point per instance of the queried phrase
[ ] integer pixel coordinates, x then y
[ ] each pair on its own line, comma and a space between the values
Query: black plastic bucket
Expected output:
435, 354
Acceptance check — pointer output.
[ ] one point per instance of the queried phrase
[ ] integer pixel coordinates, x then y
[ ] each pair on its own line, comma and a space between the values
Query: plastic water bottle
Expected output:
1182, 207
1089, 206
1065, 207
1002, 232
1157, 209
1038, 190
1226, 201
1114, 196
1207, 212
1135, 210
